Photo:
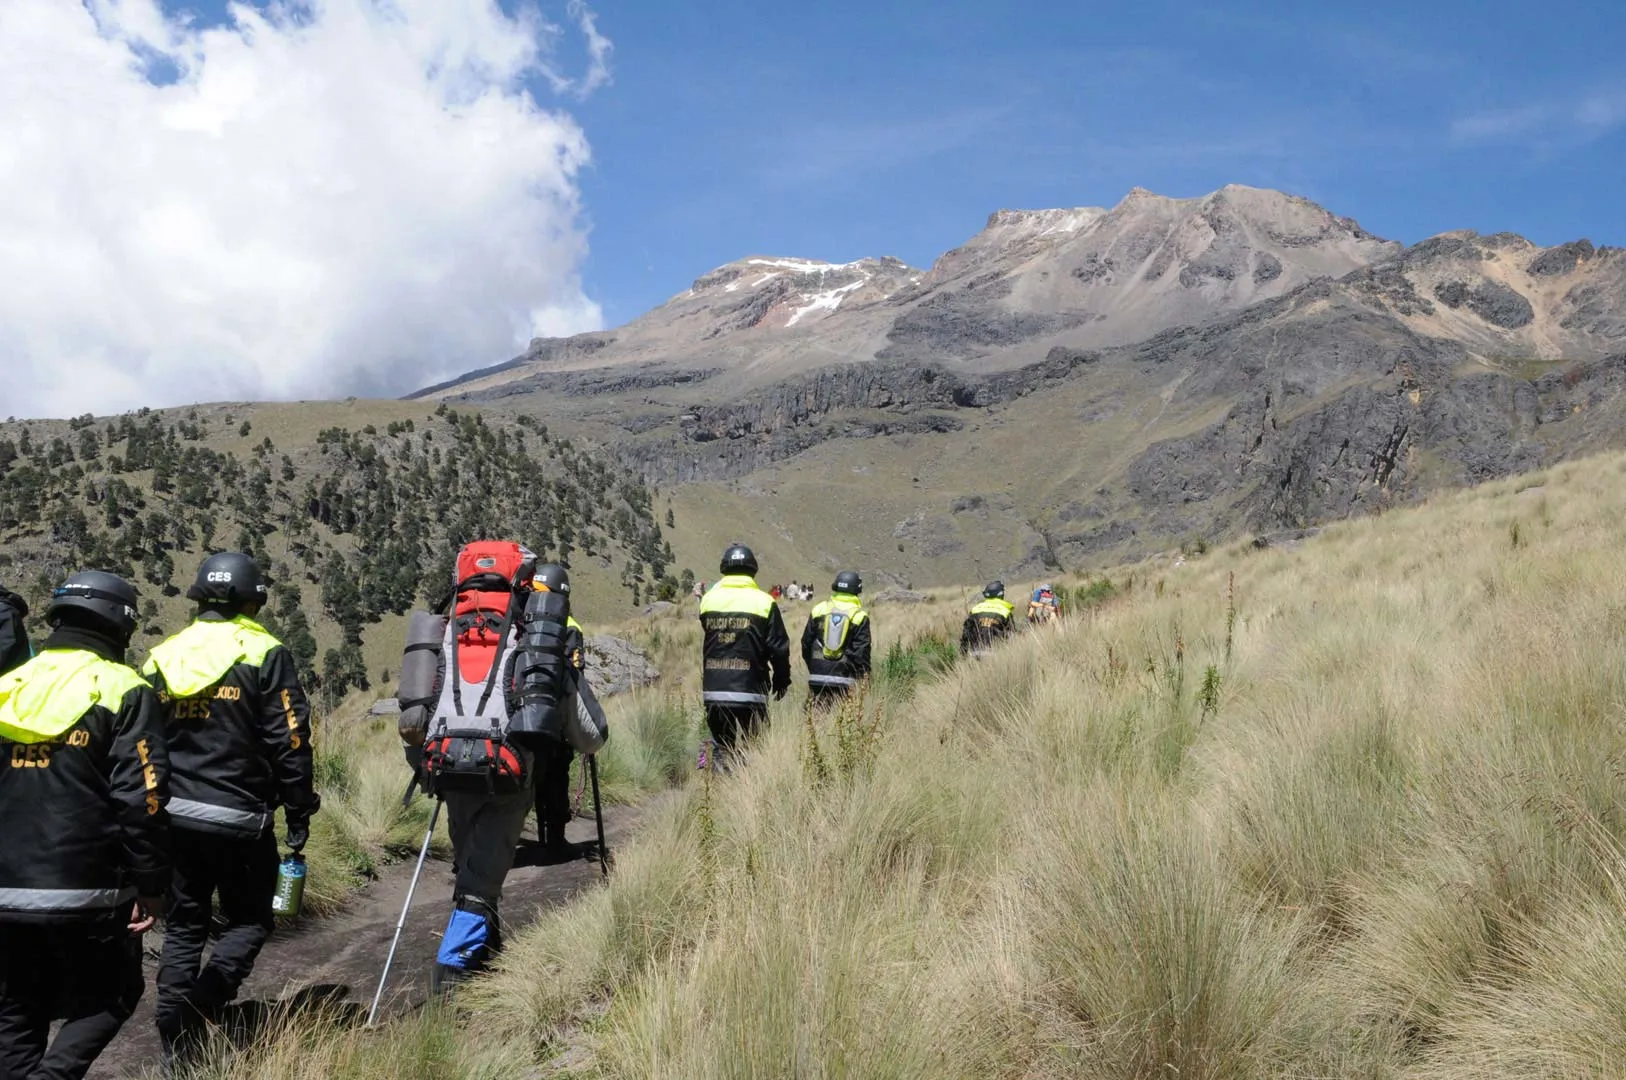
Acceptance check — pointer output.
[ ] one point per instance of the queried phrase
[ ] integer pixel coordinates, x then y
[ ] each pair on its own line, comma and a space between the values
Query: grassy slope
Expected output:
1385, 843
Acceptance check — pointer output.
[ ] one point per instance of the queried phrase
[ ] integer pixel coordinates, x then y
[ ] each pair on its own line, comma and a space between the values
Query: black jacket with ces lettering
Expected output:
83, 783
746, 652
238, 726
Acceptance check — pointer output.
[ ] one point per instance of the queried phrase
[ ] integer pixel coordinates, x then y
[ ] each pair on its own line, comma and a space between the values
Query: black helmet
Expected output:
554, 576
107, 598
738, 560
994, 589
230, 578
848, 582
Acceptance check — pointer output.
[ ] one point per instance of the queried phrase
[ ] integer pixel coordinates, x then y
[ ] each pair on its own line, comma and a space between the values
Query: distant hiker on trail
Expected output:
1044, 607
776, 592
553, 757
746, 653
988, 621
14, 650
836, 641
239, 732
85, 866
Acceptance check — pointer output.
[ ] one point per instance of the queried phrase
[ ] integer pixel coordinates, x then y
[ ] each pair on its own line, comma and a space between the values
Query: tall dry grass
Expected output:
1349, 809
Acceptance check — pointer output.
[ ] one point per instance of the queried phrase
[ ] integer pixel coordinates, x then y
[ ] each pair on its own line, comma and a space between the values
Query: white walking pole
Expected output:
379, 993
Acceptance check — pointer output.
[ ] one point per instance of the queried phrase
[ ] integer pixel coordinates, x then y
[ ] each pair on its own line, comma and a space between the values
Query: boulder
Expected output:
615, 665
898, 596
385, 707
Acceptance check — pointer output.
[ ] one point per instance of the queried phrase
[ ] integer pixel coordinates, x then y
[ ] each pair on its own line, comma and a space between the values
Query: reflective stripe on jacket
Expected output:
83, 787
747, 651
238, 724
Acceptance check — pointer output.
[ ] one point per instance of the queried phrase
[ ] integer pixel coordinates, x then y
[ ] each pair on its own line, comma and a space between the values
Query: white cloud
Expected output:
1547, 125
332, 197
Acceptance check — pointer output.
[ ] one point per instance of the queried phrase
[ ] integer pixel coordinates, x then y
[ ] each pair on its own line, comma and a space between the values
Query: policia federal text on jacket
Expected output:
746, 651
239, 734
836, 640
83, 867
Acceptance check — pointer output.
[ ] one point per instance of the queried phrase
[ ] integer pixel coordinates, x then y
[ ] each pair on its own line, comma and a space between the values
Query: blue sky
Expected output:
843, 129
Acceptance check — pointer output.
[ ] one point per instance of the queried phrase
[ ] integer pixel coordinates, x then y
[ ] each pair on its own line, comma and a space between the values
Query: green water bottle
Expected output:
290, 886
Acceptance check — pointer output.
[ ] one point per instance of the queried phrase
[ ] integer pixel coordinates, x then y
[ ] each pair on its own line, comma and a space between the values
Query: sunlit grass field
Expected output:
1349, 809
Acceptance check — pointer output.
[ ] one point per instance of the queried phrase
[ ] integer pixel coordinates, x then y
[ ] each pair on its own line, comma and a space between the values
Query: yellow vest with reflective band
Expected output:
736, 592
846, 604
994, 605
52, 692
201, 655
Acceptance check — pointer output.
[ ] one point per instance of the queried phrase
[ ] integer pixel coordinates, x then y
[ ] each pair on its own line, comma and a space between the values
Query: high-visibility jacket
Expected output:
836, 643
83, 785
746, 653
238, 725
988, 621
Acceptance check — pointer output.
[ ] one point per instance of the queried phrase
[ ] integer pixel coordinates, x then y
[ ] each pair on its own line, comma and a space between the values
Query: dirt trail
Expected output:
340, 956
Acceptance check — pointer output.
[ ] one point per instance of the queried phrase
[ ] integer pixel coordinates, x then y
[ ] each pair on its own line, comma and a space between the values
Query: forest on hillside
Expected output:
358, 525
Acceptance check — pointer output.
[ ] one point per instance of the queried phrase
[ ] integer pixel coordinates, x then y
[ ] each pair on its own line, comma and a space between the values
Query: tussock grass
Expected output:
1350, 809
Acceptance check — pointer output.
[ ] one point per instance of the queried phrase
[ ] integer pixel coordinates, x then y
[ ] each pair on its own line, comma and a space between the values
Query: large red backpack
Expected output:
488, 597
468, 746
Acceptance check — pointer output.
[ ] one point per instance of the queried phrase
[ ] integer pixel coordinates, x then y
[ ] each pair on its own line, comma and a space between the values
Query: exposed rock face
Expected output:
615, 665
1031, 280
1259, 363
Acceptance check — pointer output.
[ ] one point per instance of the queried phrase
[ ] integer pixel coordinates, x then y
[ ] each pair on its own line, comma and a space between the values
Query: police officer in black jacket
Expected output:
239, 734
746, 652
14, 650
84, 866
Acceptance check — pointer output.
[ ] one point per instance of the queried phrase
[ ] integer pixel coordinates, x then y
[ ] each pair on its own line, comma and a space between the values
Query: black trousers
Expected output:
553, 791
730, 724
244, 872
89, 977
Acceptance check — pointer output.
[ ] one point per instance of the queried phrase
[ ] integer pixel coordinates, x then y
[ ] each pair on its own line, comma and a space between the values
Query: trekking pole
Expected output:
378, 995
598, 814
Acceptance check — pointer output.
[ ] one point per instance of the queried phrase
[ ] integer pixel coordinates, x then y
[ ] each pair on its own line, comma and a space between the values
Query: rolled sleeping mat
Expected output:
586, 727
420, 662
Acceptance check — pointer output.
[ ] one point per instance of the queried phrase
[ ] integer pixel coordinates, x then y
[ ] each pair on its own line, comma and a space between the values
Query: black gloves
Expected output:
299, 829
414, 757
299, 823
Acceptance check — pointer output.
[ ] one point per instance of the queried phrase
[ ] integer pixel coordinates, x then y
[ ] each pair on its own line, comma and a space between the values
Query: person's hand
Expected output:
413, 756
299, 829
145, 913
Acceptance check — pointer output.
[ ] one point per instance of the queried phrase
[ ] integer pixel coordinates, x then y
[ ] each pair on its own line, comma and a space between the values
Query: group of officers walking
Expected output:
128, 796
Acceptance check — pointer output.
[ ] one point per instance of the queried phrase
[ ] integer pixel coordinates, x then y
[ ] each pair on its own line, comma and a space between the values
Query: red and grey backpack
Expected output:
468, 747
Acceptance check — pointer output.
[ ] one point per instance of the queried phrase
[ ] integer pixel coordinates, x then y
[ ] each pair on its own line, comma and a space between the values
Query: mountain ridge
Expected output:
1099, 383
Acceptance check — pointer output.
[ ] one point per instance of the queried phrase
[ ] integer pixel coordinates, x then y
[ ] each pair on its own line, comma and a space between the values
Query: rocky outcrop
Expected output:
615, 665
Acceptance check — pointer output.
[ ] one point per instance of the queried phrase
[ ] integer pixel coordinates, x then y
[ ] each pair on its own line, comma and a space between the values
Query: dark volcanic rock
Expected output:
1561, 259
1490, 300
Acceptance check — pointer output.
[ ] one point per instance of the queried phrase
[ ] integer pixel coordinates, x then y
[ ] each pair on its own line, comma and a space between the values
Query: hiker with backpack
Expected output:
554, 756
1044, 607
501, 683
14, 648
836, 641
